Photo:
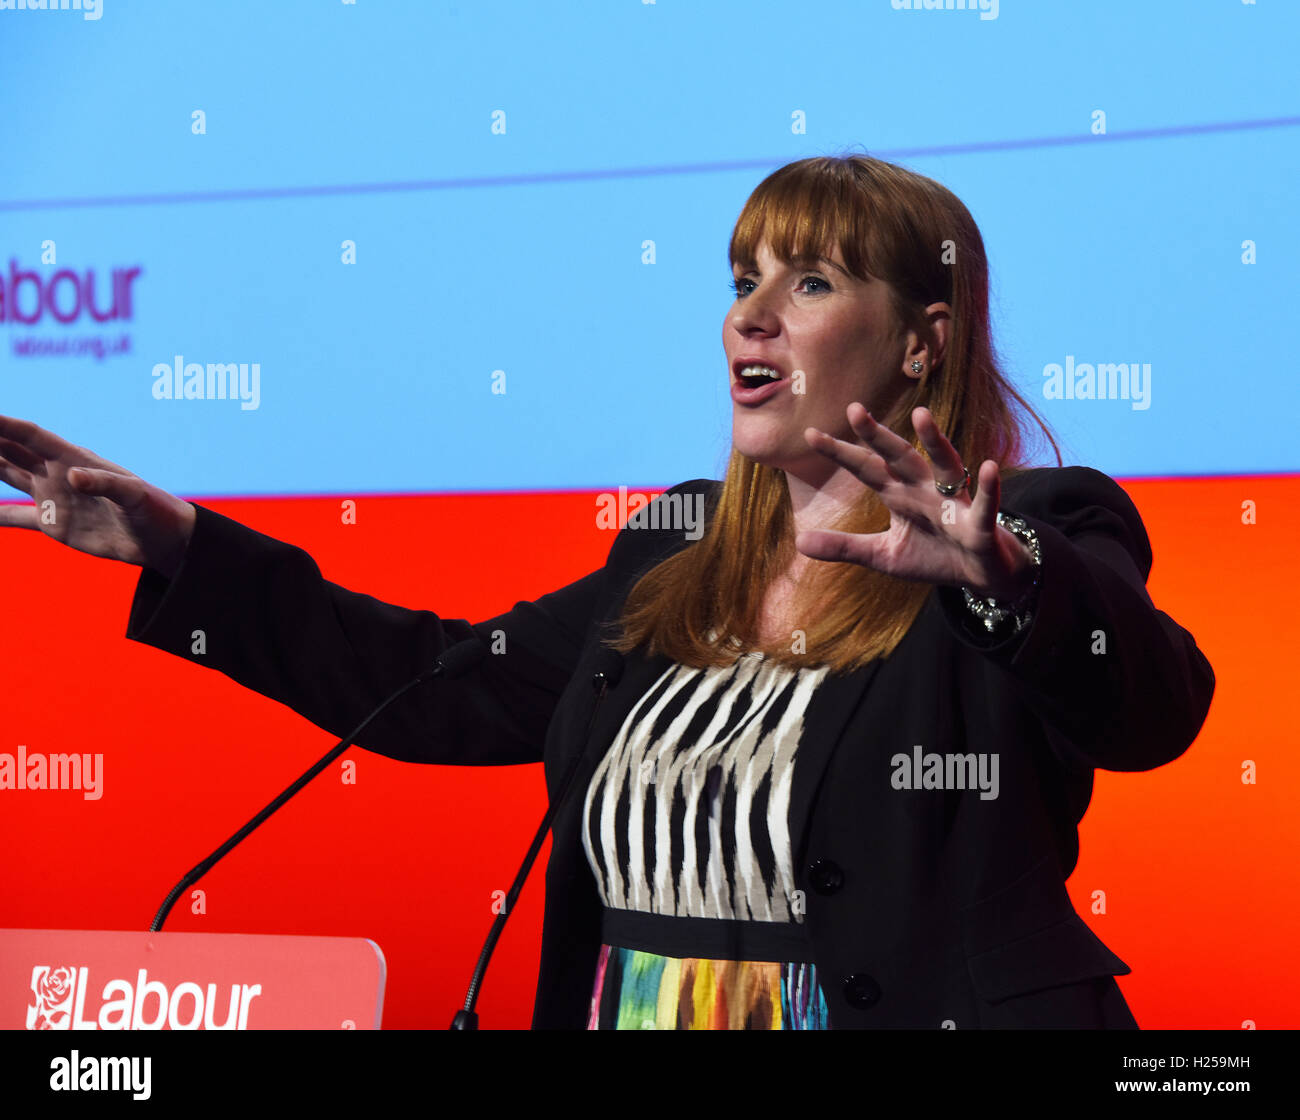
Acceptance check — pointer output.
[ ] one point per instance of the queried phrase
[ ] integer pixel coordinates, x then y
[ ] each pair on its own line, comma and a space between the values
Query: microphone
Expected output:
451, 663
609, 671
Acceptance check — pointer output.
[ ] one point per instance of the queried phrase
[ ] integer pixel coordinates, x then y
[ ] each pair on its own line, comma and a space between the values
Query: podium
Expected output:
56, 979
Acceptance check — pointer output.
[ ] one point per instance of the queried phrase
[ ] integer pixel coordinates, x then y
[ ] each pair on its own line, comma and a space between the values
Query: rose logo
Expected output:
52, 989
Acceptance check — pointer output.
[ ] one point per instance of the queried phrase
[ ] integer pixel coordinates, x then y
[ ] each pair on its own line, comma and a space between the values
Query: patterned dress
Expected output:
686, 829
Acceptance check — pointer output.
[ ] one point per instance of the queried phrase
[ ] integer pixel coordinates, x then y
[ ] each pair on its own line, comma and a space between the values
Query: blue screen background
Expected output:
625, 122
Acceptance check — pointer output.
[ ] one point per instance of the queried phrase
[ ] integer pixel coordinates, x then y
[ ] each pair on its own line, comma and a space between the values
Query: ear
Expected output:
928, 349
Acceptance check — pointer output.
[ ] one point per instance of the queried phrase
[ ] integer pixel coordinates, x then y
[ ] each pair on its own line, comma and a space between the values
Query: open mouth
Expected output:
754, 375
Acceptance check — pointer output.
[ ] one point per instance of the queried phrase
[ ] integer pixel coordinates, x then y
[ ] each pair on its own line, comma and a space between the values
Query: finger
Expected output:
20, 457
14, 516
37, 441
126, 491
862, 461
832, 545
15, 476
945, 463
988, 496
900, 456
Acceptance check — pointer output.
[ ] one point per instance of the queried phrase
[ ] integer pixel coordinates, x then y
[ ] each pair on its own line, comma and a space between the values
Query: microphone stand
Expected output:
466, 1019
454, 661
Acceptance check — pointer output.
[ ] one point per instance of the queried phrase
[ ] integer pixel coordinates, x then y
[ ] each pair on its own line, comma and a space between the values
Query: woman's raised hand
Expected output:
88, 503
953, 541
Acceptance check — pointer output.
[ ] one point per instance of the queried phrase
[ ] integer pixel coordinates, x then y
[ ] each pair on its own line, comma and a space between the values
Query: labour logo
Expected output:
52, 990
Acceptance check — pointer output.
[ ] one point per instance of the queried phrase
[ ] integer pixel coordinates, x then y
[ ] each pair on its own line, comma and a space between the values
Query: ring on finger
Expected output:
948, 489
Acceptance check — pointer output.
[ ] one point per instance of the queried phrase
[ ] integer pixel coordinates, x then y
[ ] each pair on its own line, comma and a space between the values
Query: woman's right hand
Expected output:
88, 503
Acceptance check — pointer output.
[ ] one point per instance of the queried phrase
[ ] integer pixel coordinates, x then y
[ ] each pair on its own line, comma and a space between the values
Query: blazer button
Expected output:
860, 990
825, 876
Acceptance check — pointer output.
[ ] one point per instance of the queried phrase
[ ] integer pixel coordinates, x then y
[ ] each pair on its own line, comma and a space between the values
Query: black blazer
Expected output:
925, 908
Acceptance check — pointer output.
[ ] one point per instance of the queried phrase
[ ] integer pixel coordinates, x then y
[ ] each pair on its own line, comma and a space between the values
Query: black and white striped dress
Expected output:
686, 828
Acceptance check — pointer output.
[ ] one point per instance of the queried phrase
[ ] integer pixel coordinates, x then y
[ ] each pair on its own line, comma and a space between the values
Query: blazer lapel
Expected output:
829, 712
639, 674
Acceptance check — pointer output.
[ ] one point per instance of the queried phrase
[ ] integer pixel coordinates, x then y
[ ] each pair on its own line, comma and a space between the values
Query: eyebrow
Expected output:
805, 261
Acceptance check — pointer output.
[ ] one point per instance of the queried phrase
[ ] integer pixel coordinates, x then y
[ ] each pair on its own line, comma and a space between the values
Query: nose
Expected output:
753, 313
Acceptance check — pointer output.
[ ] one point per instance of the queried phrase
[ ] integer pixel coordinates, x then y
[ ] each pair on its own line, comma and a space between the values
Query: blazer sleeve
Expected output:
258, 610
1141, 702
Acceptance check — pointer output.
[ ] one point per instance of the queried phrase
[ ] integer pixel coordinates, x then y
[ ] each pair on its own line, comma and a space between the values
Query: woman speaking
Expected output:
838, 781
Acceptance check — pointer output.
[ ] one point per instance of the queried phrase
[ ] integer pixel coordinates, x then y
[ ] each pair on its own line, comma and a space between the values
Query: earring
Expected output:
917, 367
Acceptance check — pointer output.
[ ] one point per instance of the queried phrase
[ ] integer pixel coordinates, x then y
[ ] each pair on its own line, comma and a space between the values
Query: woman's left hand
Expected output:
950, 541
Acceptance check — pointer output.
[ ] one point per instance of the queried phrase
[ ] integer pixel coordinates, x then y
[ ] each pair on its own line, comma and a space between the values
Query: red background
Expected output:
1198, 869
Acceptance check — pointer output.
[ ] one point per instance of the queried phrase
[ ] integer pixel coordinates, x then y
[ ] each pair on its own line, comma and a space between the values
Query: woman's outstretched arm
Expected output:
258, 610
226, 597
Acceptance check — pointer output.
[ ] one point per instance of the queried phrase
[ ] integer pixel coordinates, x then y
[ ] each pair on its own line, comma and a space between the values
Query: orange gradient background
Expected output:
1198, 869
